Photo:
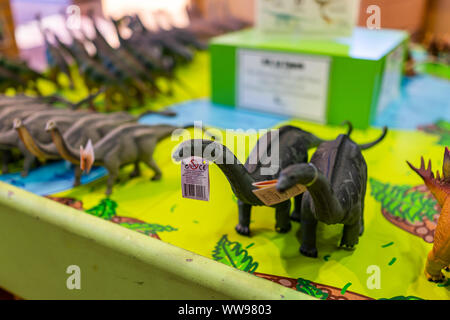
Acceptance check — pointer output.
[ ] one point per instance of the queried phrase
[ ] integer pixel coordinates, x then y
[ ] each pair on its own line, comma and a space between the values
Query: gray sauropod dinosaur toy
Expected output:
293, 145
126, 144
91, 128
335, 179
7, 116
10, 139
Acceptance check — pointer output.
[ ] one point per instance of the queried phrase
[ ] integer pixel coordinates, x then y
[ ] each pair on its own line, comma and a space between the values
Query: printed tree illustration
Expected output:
413, 209
440, 128
308, 288
147, 228
232, 254
106, 209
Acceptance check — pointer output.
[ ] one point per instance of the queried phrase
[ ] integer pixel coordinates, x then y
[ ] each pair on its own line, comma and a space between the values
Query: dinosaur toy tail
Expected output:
350, 127
316, 141
372, 144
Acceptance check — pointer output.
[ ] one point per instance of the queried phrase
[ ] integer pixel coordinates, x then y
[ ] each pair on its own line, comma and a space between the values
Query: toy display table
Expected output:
147, 242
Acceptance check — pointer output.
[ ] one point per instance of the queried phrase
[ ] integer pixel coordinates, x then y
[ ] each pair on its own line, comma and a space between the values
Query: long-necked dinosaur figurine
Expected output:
439, 256
91, 128
336, 179
127, 144
293, 147
10, 139
7, 116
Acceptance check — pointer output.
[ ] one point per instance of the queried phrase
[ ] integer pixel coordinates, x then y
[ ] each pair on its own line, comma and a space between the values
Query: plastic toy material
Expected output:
91, 128
336, 179
10, 140
439, 256
126, 144
294, 144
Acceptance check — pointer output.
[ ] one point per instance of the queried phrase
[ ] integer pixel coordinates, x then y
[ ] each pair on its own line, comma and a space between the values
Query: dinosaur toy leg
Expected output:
112, 164
6, 158
296, 214
243, 226
137, 171
152, 165
350, 235
283, 224
439, 256
308, 233
78, 173
27, 164
353, 229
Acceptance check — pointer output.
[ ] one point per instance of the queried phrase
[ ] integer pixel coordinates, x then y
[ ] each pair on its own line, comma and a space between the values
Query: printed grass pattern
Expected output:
314, 289
413, 209
307, 287
232, 254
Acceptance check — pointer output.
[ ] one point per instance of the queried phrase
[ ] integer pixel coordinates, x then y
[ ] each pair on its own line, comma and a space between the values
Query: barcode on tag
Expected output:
195, 178
194, 191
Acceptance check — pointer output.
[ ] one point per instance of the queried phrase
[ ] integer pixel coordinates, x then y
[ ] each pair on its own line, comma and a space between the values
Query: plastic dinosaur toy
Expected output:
336, 179
16, 74
93, 128
127, 144
439, 256
56, 61
294, 144
10, 140
7, 116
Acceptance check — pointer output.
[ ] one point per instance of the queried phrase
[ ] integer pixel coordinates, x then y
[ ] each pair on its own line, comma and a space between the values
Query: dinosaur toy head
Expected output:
50, 125
87, 157
17, 123
439, 186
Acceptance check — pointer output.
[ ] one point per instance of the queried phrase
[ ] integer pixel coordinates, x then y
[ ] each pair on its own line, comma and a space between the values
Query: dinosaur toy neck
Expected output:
239, 178
39, 150
67, 152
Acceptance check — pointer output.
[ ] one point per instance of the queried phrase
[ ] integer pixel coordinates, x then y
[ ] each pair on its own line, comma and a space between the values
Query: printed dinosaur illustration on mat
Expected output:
413, 209
106, 210
234, 255
440, 128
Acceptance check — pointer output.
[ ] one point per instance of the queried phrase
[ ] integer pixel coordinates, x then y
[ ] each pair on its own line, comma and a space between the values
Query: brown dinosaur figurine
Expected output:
439, 256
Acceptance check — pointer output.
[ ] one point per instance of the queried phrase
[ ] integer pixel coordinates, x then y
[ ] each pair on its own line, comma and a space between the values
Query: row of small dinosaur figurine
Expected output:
130, 73
40, 131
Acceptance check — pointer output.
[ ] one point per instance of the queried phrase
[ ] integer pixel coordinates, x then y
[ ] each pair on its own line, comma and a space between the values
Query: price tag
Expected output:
195, 178
271, 196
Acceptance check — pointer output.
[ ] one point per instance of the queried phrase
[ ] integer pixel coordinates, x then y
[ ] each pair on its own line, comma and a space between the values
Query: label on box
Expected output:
306, 18
289, 84
270, 196
195, 178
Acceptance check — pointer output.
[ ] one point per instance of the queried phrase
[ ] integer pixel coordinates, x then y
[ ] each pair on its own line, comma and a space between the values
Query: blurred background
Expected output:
419, 17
